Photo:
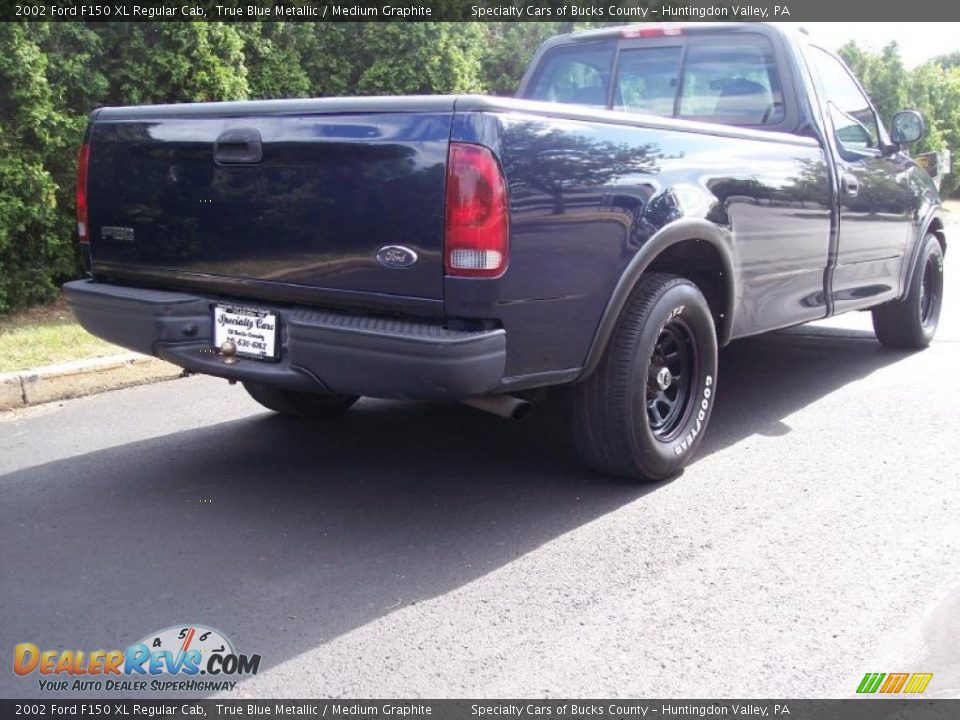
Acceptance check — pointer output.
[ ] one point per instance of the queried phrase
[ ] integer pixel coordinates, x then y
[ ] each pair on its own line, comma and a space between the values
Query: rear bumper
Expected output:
321, 351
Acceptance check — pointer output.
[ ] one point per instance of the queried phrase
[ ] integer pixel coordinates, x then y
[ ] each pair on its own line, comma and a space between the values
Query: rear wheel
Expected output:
300, 404
643, 413
912, 322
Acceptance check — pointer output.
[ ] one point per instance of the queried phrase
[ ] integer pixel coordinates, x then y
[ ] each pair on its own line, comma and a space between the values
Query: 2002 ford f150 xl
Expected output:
654, 192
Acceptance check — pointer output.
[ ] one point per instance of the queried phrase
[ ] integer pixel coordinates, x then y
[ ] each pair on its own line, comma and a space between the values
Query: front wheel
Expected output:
300, 404
912, 322
644, 411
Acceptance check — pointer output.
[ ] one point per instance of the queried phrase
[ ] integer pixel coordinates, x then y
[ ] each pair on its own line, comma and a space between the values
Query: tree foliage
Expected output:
52, 75
508, 50
387, 58
933, 89
951, 60
30, 249
275, 54
173, 62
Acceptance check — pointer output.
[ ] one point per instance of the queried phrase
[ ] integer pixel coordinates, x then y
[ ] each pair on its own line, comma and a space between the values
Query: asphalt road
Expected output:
430, 550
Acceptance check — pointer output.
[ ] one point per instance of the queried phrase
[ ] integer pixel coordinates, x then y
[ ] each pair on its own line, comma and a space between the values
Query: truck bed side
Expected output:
593, 192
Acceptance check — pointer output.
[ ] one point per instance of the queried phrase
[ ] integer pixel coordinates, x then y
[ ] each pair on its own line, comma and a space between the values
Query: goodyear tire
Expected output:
912, 322
644, 411
299, 404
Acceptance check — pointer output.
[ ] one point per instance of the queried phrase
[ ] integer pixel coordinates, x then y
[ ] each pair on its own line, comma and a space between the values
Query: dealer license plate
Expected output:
254, 331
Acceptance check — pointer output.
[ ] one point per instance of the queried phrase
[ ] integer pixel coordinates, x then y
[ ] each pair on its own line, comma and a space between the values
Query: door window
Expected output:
854, 121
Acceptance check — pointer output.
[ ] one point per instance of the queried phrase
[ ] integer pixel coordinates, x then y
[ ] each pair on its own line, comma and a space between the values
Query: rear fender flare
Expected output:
677, 232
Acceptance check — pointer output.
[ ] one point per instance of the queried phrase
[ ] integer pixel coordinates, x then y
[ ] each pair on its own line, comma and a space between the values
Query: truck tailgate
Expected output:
296, 198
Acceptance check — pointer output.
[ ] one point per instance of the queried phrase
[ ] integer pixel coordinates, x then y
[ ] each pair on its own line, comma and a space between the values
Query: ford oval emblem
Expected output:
396, 257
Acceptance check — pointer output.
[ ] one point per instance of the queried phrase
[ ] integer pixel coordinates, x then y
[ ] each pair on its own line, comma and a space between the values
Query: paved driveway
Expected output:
428, 550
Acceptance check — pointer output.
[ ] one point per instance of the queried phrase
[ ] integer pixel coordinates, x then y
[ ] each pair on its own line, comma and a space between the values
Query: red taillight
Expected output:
83, 162
477, 231
650, 31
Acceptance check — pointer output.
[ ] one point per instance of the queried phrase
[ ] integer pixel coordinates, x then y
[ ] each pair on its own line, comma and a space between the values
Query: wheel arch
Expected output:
932, 224
694, 249
936, 227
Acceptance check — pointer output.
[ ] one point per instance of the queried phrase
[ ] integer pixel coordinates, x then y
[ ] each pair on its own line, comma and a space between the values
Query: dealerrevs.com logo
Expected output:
169, 660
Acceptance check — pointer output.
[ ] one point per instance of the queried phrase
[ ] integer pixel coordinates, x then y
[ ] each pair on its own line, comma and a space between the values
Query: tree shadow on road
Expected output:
286, 534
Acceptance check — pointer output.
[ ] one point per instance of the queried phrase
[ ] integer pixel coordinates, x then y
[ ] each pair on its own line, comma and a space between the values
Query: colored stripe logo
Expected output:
892, 683
918, 682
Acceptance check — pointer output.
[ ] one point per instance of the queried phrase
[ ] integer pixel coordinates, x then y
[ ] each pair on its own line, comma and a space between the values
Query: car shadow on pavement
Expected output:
285, 534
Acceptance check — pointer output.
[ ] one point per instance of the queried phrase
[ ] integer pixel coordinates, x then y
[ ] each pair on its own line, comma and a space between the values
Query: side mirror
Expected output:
907, 127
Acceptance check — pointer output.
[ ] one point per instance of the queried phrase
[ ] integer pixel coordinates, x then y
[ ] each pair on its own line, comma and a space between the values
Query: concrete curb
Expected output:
82, 377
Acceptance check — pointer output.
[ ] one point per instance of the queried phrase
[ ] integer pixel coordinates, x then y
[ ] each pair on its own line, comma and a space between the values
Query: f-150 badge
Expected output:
119, 234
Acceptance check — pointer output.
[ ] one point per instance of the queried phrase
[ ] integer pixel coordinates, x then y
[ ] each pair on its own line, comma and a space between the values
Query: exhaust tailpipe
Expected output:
508, 406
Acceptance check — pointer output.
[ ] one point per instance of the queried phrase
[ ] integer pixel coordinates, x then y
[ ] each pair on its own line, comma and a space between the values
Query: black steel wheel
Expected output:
911, 322
643, 412
931, 291
670, 374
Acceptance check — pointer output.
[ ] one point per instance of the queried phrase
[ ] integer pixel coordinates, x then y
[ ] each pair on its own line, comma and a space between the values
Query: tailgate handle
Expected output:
238, 146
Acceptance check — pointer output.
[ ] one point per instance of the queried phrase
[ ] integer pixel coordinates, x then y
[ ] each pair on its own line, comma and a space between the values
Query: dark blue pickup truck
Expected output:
654, 192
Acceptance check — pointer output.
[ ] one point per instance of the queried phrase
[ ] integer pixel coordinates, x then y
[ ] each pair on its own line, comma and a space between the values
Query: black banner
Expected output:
614, 11
856, 709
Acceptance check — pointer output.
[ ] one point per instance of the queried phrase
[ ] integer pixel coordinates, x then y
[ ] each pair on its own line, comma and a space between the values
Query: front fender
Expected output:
928, 214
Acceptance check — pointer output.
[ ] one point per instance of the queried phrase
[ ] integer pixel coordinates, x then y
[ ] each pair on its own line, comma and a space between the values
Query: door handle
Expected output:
850, 184
238, 146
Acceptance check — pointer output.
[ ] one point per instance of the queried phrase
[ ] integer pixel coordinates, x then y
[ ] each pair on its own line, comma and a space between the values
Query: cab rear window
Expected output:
733, 81
578, 74
647, 80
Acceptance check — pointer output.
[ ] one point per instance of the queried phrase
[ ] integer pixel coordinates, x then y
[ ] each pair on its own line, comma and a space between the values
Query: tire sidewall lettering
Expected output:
688, 440
675, 313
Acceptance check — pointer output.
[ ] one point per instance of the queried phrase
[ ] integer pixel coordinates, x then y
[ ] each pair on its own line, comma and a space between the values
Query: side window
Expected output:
733, 82
854, 122
647, 80
578, 74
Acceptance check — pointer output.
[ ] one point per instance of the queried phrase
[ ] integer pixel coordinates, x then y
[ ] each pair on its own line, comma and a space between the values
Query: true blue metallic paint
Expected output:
586, 196
594, 197
329, 191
